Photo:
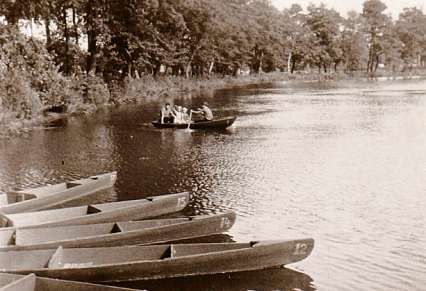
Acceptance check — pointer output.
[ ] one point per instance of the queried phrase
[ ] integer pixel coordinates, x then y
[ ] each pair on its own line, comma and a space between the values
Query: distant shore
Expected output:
147, 88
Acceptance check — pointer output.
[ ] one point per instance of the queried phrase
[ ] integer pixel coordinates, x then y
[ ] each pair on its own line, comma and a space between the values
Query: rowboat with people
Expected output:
215, 124
51, 196
178, 117
128, 263
98, 213
116, 233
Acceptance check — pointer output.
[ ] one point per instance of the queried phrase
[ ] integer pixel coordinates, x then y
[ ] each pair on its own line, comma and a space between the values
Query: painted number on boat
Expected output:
300, 249
225, 222
181, 202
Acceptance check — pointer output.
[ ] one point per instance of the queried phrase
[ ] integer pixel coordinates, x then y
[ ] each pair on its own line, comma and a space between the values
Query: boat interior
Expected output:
61, 258
31, 236
49, 190
9, 282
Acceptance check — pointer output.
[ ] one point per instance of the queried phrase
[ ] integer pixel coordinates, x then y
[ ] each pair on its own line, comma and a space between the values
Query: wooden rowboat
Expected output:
217, 124
54, 195
114, 264
98, 213
53, 119
116, 233
13, 282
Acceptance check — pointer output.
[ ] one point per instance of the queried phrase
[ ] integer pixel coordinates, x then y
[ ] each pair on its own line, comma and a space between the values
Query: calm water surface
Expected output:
342, 163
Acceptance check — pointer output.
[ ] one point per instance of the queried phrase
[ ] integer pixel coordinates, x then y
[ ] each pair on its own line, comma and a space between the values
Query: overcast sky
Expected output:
343, 6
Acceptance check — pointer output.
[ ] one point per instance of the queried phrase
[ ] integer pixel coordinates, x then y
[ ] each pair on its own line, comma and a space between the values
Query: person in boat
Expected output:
205, 111
185, 116
167, 115
177, 112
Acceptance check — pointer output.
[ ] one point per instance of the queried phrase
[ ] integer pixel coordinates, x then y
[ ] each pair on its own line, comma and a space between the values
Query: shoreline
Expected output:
145, 88
137, 90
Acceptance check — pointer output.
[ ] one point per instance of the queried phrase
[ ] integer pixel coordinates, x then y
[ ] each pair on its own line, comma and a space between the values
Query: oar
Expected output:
189, 122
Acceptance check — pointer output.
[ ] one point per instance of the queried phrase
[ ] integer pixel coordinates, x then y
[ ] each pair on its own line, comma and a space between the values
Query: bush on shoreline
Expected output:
30, 81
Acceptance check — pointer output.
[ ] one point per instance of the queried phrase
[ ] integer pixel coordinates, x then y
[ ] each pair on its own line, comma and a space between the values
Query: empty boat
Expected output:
98, 213
115, 233
127, 263
54, 195
13, 282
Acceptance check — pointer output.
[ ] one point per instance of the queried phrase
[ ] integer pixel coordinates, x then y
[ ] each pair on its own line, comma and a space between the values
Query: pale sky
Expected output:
343, 6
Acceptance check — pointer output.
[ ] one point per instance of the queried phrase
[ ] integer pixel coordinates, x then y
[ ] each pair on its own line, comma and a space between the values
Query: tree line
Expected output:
194, 38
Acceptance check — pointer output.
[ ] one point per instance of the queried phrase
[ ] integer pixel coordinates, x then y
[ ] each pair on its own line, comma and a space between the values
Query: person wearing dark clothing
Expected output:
167, 114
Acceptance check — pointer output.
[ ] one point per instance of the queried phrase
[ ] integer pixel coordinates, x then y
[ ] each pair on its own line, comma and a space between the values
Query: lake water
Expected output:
344, 163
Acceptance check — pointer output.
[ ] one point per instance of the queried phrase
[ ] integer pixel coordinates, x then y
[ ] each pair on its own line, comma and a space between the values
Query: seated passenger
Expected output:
167, 115
177, 111
185, 116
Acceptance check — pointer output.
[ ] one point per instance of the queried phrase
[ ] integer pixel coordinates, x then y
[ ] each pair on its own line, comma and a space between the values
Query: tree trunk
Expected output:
74, 23
260, 64
293, 65
211, 67
66, 35
289, 66
188, 70
377, 63
48, 35
236, 70
91, 37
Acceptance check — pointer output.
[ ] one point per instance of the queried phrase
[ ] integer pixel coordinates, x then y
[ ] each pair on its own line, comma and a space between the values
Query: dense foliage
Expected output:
198, 37
90, 43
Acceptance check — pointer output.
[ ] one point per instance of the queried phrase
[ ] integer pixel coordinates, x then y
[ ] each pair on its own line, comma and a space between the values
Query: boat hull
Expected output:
98, 213
61, 194
14, 282
217, 124
184, 228
235, 258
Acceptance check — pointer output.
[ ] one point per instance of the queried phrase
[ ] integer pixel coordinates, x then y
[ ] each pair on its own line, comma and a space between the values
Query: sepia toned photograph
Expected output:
212, 145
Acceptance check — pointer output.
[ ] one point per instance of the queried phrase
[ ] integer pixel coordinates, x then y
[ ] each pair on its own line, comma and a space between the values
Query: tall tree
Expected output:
375, 22
353, 43
324, 24
411, 30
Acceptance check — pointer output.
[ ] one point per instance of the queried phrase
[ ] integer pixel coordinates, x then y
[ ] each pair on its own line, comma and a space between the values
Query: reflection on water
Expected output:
273, 279
344, 163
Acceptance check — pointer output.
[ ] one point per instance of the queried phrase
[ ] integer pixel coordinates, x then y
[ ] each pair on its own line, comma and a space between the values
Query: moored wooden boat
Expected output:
98, 213
114, 264
116, 233
217, 124
14, 282
53, 119
54, 195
